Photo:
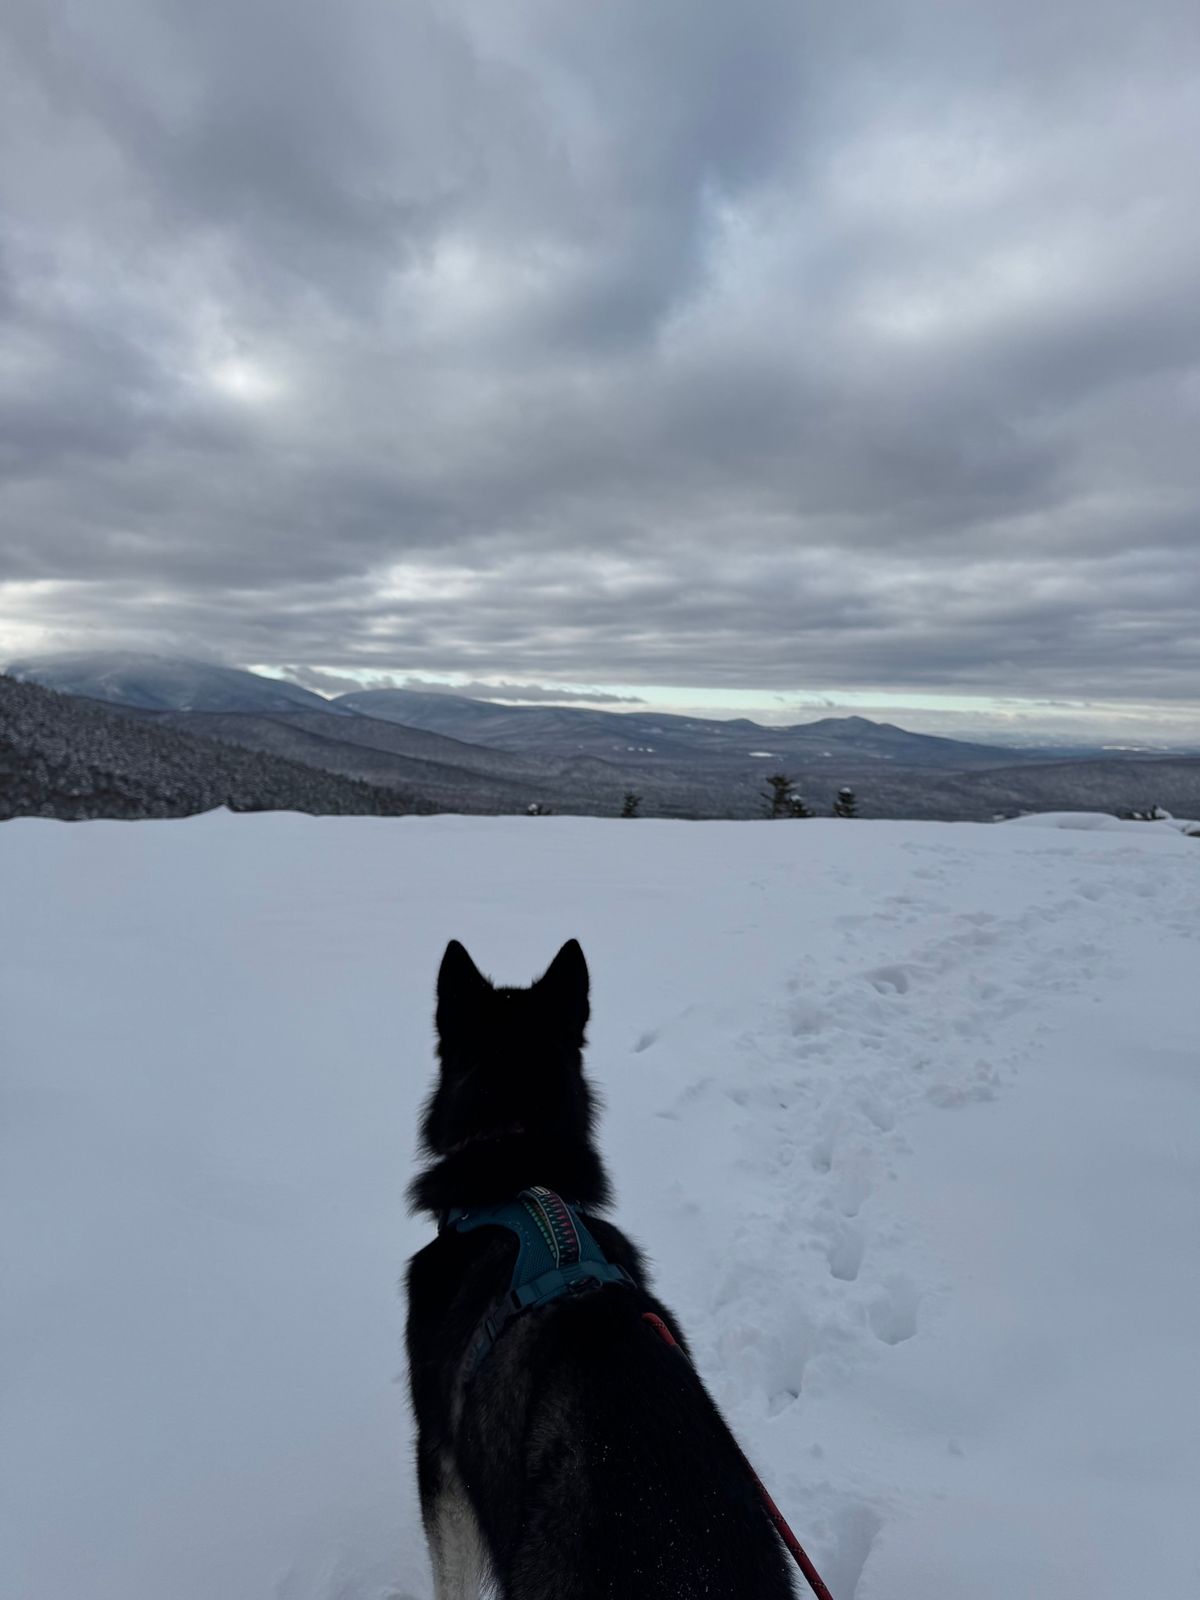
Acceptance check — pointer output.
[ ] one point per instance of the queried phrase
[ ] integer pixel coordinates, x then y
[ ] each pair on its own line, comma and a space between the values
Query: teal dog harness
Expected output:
556, 1256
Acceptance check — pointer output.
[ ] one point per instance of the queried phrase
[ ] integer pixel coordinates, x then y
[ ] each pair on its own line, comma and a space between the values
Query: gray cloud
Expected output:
760, 348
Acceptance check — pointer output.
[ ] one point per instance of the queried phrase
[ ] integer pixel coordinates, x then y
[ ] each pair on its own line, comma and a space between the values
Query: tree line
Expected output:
783, 800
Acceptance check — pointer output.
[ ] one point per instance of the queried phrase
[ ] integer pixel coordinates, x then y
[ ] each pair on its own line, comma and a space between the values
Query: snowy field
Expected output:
907, 1115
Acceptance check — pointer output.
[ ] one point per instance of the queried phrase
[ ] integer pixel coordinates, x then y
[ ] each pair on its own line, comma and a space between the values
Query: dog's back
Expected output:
583, 1459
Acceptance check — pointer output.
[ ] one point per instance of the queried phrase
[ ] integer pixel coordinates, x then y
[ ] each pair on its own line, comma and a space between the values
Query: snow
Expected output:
1078, 821
1102, 822
905, 1113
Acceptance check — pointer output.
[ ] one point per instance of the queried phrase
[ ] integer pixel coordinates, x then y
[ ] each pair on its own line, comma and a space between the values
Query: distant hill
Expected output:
448, 774
451, 775
638, 739
165, 683
75, 759
1114, 785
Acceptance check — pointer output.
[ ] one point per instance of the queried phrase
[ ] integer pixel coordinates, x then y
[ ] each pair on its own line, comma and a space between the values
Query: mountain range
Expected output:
637, 739
417, 749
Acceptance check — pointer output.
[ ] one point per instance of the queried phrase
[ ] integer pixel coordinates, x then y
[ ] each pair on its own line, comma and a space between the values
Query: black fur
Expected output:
585, 1459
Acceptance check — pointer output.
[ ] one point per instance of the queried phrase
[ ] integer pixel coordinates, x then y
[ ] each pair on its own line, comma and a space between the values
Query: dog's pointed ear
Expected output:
460, 986
564, 986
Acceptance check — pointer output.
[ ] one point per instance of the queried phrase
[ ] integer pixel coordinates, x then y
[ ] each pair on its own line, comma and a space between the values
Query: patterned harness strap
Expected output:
553, 1216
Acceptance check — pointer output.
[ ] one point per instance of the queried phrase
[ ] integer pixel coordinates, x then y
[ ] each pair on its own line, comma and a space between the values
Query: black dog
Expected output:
569, 1453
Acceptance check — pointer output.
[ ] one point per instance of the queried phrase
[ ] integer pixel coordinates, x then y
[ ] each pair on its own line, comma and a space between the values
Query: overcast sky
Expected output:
779, 353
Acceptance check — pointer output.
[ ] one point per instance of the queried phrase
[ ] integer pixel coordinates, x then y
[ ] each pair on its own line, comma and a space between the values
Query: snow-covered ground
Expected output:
908, 1116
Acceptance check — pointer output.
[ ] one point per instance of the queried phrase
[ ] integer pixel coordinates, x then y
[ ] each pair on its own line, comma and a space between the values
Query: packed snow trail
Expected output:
907, 1115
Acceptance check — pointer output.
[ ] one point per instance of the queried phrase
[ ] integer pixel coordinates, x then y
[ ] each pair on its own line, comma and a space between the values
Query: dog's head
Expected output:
511, 1105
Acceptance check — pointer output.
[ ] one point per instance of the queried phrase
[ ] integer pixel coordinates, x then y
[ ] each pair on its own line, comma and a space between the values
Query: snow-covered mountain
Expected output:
448, 752
907, 1116
638, 739
67, 757
651, 739
165, 683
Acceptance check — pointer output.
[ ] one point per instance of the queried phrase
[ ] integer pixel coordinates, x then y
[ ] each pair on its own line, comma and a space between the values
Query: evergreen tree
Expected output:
629, 807
776, 794
845, 805
782, 799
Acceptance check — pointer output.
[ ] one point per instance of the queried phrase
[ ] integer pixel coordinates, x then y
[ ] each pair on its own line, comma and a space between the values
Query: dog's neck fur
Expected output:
494, 1168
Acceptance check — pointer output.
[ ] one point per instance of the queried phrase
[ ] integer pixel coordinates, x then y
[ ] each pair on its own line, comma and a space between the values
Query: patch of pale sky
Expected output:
243, 380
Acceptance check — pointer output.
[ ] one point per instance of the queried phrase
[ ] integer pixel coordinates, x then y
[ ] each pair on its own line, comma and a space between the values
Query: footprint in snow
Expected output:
878, 1113
889, 980
845, 1254
781, 1400
893, 1317
853, 1182
856, 1527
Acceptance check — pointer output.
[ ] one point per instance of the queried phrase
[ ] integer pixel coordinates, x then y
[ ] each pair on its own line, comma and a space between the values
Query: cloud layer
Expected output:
778, 346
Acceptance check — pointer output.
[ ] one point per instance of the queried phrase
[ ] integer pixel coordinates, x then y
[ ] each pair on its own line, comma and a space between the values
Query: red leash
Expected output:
816, 1582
